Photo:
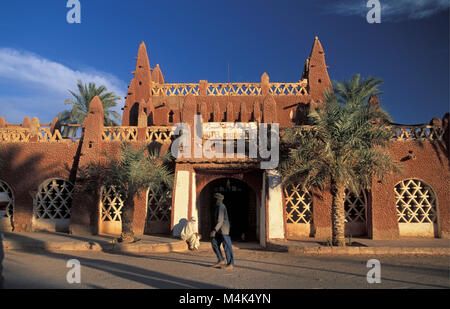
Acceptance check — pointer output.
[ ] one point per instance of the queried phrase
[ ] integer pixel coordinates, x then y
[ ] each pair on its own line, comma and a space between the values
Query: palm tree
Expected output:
131, 172
342, 148
80, 106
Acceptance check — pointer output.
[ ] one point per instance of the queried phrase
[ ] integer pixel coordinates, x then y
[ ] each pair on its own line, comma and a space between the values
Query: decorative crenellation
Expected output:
112, 134
230, 89
399, 132
15, 135
159, 134
299, 88
24, 135
405, 132
48, 136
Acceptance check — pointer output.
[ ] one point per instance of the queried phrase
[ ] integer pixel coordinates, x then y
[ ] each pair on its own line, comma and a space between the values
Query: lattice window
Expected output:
159, 204
416, 202
53, 200
112, 204
299, 205
355, 207
9, 209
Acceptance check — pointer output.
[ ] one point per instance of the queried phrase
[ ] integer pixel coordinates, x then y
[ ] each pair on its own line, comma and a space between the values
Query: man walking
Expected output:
220, 234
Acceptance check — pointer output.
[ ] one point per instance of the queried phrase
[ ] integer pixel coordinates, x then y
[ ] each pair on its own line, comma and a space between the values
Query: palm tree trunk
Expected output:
338, 214
127, 221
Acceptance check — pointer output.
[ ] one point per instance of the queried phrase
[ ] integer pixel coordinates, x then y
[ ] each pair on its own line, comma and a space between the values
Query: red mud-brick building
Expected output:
38, 182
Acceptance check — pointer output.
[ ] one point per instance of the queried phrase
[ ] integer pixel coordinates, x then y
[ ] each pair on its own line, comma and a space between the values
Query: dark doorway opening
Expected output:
134, 114
240, 201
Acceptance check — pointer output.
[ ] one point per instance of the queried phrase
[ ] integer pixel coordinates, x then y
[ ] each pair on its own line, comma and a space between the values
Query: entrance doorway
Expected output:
240, 201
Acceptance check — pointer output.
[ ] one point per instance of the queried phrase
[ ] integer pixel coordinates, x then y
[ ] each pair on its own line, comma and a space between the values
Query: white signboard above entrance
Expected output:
229, 130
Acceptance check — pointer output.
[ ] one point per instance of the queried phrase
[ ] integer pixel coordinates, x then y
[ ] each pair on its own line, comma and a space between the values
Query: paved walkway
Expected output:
165, 243
410, 245
66, 242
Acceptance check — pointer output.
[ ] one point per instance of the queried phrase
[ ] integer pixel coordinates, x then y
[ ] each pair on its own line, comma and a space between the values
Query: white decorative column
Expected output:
194, 208
181, 204
262, 214
275, 205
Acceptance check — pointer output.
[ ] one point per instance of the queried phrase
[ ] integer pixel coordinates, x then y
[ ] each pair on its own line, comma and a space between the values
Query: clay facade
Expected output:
41, 166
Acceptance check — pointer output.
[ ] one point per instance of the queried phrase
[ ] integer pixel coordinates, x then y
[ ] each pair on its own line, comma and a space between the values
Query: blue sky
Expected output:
42, 56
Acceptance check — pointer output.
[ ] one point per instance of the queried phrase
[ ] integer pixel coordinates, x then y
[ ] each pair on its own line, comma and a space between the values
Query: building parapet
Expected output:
230, 89
399, 132
152, 134
417, 132
158, 134
112, 134
17, 134
24, 135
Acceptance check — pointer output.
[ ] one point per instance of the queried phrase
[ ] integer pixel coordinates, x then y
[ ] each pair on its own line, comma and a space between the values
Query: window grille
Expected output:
53, 200
355, 207
159, 204
299, 205
4, 188
416, 202
112, 204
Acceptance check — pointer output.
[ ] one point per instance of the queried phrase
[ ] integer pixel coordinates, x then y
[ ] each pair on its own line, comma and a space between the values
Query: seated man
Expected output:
190, 234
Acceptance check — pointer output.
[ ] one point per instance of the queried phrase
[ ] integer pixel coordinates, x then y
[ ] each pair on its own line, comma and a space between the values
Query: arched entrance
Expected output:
240, 201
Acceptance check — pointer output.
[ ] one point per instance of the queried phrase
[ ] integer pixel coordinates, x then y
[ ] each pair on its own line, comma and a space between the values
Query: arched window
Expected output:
53, 200
416, 208
416, 202
6, 200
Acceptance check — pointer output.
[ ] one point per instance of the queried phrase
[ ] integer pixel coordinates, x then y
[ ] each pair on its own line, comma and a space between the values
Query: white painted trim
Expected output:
180, 207
262, 213
194, 200
276, 218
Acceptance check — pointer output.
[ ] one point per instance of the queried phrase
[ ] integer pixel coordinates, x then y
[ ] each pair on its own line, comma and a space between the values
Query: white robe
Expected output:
189, 235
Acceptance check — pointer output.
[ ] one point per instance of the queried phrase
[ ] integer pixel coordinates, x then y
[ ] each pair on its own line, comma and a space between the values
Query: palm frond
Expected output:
346, 141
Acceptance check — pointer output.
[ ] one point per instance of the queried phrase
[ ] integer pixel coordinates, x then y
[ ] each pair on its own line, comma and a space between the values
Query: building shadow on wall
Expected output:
2, 255
24, 173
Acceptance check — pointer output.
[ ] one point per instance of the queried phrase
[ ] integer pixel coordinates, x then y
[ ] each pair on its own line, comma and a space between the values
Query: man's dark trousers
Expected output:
227, 246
